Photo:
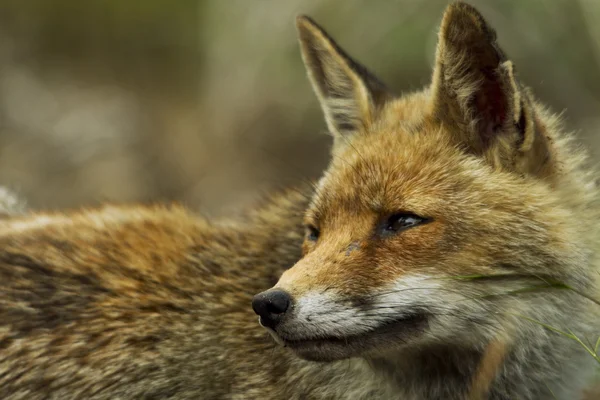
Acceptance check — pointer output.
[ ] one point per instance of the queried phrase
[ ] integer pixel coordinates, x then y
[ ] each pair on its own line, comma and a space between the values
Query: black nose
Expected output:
271, 306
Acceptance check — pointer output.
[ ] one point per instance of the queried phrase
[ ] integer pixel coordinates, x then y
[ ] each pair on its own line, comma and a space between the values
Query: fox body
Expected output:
453, 227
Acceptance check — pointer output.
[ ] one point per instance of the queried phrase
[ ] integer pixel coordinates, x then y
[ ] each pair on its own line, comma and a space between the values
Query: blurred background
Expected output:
206, 102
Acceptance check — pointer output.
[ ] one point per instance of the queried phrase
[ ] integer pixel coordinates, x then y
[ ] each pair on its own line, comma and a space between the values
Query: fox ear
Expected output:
477, 97
350, 96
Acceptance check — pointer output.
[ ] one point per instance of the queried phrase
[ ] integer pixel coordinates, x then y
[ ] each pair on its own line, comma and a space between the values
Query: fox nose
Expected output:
271, 306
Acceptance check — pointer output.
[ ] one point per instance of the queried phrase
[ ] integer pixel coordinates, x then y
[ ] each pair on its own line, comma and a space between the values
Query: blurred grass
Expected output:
206, 102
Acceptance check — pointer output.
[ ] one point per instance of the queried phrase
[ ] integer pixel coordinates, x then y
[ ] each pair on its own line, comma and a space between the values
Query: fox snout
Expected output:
271, 306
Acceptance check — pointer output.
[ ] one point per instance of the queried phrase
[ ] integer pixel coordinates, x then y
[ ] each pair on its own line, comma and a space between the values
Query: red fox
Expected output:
445, 224
451, 238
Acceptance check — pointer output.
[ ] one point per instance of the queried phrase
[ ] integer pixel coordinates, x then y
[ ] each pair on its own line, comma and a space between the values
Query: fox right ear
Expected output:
477, 96
350, 96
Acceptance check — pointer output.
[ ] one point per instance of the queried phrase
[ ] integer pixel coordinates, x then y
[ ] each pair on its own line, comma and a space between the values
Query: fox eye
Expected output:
312, 233
400, 222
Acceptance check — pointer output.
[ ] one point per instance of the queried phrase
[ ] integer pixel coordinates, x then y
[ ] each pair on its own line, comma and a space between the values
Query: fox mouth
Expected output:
393, 333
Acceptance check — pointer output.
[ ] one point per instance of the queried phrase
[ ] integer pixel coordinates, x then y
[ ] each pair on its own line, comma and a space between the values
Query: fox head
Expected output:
436, 208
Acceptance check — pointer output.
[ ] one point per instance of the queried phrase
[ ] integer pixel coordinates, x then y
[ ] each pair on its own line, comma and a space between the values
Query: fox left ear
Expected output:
350, 95
478, 99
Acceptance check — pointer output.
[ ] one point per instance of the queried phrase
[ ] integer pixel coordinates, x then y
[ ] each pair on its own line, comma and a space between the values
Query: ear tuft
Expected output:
462, 24
304, 22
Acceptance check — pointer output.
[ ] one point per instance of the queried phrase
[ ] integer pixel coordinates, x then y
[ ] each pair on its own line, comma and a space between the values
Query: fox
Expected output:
447, 250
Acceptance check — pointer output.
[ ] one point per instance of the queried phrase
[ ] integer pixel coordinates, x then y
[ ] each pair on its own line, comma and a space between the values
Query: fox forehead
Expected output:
404, 163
